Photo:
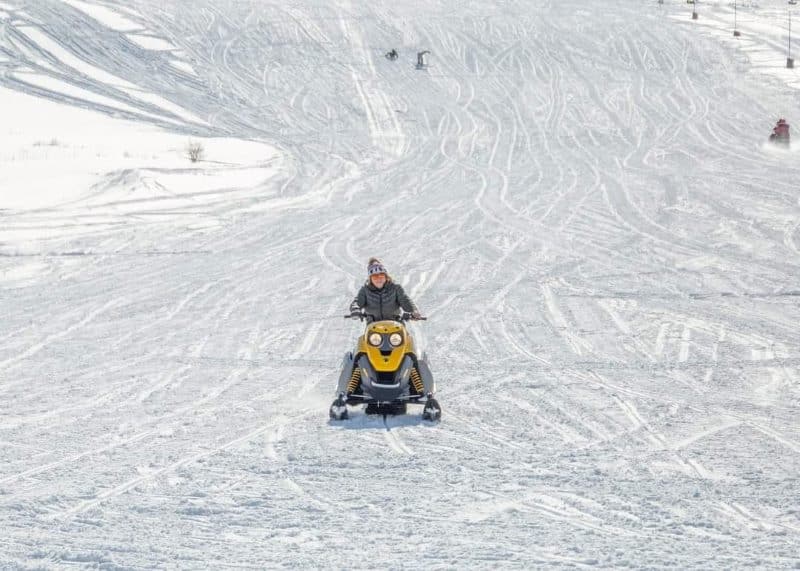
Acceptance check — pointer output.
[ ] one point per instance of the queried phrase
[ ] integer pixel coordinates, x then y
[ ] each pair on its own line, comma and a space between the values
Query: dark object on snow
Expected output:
421, 59
392, 55
780, 133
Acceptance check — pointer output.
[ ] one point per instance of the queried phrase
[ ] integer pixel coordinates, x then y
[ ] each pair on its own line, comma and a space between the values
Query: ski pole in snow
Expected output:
789, 58
736, 33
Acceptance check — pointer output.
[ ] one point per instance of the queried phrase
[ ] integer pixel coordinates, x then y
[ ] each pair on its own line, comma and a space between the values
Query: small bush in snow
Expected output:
194, 150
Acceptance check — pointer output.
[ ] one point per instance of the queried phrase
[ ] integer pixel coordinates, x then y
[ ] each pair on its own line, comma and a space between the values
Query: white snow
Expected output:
61, 162
47, 142
579, 196
107, 16
62, 88
183, 66
48, 45
151, 42
97, 75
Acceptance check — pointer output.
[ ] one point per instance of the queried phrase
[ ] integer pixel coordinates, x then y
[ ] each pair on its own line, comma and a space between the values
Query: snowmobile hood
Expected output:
386, 357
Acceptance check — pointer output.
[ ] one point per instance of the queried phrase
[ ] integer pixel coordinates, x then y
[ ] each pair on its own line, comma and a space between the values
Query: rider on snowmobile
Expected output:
385, 372
381, 298
780, 132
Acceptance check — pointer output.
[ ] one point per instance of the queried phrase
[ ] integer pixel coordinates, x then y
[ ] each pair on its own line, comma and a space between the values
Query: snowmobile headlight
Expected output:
395, 339
375, 339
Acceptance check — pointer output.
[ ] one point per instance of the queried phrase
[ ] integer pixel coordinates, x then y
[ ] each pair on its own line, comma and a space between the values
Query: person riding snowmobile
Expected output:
385, 371
381, 298
780, 132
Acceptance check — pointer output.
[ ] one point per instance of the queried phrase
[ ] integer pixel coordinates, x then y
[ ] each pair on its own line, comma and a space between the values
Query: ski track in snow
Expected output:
578, 198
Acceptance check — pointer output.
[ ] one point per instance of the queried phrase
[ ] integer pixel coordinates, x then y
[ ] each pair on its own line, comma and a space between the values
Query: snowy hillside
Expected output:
577, 194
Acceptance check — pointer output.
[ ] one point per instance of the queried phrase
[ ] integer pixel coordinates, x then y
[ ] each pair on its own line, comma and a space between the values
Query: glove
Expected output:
357, 313
416, 315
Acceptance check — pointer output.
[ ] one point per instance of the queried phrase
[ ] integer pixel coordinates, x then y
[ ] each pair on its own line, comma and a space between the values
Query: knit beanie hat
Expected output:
374, 266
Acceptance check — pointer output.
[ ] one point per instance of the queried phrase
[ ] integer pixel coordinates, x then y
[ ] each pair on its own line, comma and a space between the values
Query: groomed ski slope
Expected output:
577, 194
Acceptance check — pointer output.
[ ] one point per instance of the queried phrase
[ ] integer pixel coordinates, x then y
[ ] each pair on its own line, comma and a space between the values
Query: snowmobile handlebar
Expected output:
404, 317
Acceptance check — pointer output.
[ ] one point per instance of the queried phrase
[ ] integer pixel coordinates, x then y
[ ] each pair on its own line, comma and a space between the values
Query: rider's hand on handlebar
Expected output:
357, 314
416, 315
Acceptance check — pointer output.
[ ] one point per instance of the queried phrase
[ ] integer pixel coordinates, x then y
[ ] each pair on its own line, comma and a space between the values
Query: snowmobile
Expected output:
780, 134
385, 373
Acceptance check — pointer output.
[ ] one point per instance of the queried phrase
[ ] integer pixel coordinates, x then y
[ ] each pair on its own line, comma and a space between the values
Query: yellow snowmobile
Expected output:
385, 373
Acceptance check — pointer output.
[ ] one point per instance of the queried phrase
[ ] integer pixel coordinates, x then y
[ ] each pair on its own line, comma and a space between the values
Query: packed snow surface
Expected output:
577, 194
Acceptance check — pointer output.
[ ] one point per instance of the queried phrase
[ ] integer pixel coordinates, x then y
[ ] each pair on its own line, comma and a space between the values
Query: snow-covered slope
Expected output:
576, 193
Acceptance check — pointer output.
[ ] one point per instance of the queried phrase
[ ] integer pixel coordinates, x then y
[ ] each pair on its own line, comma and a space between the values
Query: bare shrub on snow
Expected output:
195, 151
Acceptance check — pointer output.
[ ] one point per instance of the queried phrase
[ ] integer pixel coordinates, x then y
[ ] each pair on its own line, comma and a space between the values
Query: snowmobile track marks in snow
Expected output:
394, 441
35, 348
132, 483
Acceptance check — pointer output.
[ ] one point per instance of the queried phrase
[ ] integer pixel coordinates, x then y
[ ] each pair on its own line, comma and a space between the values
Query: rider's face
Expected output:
378, 280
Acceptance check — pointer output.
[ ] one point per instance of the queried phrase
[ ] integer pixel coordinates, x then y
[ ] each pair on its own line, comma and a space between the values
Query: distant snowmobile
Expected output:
385, 373
392, 55
780, 133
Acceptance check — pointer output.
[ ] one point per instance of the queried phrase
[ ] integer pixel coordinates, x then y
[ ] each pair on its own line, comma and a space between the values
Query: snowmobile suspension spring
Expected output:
355, 379
416, 380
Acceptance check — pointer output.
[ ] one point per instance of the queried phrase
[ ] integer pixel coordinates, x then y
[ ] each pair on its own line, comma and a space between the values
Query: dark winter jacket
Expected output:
384, 303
